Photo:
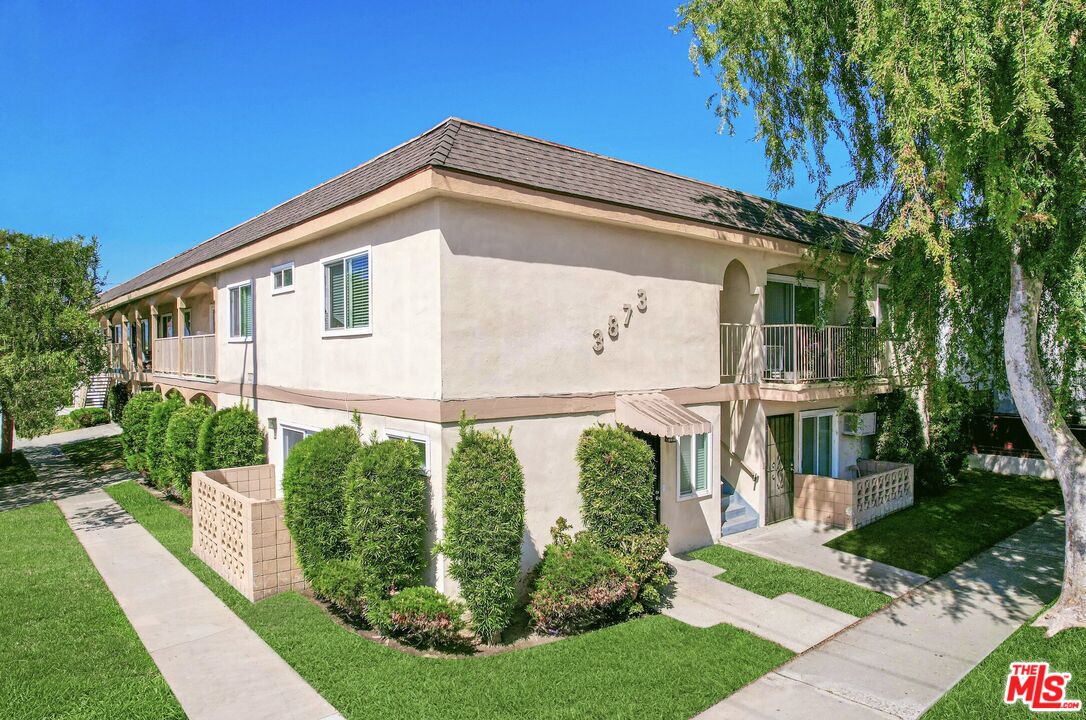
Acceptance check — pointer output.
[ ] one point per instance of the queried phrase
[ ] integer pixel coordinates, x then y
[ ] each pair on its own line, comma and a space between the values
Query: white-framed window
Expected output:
282, 277
165, 325
241, 311
418, 440
292, 435
347, 293
817, 446
694, 465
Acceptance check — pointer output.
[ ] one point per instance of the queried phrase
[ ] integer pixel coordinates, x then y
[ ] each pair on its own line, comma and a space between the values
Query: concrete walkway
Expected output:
801, 543
794, 622
899, 661
57, 478
69, 436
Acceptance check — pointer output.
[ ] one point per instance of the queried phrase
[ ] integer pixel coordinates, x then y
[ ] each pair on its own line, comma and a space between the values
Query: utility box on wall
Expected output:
858, 423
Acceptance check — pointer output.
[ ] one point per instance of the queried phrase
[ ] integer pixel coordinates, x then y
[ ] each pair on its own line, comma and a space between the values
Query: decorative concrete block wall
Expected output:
882, 488
238, 530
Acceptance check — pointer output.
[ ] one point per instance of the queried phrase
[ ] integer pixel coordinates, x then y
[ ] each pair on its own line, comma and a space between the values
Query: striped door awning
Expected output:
657, 414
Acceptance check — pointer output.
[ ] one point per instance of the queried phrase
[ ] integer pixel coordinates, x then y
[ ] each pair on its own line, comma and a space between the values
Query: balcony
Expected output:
115, 352
797, 353
192, 356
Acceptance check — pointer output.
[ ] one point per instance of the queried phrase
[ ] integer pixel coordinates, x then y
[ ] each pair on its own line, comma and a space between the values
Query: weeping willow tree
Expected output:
967, 120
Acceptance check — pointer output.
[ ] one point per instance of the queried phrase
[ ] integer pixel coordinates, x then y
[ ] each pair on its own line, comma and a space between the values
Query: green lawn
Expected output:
980, 693
770, 579
96, 457
652, 667
68, 651
17, 471
939, 533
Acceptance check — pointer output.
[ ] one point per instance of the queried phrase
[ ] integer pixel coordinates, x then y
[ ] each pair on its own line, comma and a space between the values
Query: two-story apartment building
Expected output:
534, 287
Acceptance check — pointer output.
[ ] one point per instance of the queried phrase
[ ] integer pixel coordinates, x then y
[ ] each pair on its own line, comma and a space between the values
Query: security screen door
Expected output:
780, 453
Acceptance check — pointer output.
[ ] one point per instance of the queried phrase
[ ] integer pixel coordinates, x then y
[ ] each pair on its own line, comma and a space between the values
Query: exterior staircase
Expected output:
736, 515
97, 391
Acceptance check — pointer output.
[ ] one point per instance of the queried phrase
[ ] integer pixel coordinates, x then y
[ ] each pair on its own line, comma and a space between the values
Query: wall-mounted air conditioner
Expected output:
858, 423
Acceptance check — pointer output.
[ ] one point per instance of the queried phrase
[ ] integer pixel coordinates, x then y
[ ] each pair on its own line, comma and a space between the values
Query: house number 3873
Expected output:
613, 322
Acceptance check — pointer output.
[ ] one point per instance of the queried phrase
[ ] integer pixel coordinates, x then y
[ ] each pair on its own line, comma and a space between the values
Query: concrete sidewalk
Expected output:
801, 543
699, 599
217, 667
899, 661
69, 436
57, 478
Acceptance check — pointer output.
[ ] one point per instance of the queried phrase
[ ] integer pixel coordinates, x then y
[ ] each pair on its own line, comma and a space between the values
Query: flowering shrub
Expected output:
419, 616
579, 585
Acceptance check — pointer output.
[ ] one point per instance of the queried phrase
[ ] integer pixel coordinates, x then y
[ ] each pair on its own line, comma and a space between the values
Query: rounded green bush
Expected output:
181, 436
157, 459
314, 498
137, 413
118, 398
419, 616
232, 437
387, 514
484, 526
617, 478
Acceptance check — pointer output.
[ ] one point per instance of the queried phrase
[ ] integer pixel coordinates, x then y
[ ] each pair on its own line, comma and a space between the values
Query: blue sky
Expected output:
156, 125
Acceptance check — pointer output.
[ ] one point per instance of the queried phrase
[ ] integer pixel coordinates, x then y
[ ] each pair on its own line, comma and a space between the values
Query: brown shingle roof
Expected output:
500, 155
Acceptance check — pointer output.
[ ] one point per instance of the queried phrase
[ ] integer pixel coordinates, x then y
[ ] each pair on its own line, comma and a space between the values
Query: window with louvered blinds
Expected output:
241, 311
347, 293
694, 464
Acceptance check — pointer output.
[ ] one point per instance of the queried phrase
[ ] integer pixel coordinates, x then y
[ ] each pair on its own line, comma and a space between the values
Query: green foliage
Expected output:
116, 400
182, 434
617, 476
951, 408
387, 514
49, 340
641, 555
579, 585
137, 414
900, 432
484, 525
155, 452
342, 583
232, 437
314, 483
420, 616
89, 417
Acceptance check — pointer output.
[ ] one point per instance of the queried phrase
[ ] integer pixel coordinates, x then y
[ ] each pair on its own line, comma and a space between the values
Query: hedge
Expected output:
232, 437
617, 479
181, 437
484, 526
89, 417
420, 616
387, 514
134, 421
116, 400
157, 459
314, 481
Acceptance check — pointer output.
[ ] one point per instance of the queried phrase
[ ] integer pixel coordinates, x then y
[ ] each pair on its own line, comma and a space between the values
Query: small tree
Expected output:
484, 513
314, 500
137, 414
49, 341
157, 424
232, 437
182, 434
387, 514
617, 477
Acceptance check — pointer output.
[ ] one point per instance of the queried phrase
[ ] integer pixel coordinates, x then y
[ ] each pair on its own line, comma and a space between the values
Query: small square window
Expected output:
282, 278
419, 441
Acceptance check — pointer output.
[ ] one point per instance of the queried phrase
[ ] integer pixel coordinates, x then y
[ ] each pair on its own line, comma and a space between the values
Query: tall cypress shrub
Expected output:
617, 477
314, 501
157, 459
387, 514
137, 413
181, 437
484, 525
232, 437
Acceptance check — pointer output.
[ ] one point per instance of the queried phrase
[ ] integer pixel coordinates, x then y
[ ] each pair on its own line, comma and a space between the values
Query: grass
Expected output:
96, 457
770, 578
68, 651
939, 533
640, 668
980, 693
17, 471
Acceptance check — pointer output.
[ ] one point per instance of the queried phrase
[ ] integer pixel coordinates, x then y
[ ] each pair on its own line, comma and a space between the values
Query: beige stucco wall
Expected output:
523, 291
693, 522
401, 357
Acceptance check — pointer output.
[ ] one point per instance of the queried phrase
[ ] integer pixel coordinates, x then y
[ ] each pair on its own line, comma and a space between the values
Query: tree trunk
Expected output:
7, 439
1053, 438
